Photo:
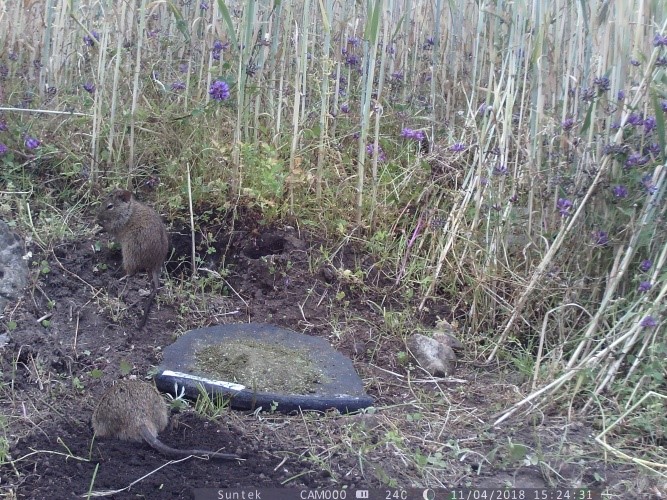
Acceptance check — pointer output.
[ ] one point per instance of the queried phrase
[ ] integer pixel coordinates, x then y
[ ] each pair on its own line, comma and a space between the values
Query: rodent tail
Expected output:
147, 308
158, 445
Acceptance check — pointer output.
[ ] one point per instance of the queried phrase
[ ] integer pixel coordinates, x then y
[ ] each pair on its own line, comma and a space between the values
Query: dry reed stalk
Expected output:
120, 20
135, 85
326, 13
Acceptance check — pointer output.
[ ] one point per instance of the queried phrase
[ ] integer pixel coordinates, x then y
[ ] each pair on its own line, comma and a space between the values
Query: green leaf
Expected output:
517, 452
373, 27
181, 25
96, 373
44, 268
325, 17
224, 12
398, 26
125, 367
587, 120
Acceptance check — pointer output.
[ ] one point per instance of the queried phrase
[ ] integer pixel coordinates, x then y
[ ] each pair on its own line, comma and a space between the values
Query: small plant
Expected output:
78, 384
211, 407
44, 267
4, 442
125, 368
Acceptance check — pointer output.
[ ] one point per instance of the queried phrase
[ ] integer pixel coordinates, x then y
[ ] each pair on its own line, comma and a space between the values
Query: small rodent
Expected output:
142, 236
133, 410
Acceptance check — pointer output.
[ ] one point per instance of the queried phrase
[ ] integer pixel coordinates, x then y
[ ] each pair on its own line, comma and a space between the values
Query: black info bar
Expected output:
397, 494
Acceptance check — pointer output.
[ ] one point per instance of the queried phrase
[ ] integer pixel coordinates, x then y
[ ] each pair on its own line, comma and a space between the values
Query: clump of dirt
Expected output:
260, 366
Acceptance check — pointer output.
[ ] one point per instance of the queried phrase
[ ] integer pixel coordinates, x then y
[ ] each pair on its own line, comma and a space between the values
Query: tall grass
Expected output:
532, 206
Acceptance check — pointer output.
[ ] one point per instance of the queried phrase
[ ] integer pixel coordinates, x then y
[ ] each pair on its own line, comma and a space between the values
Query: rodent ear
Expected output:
124, 195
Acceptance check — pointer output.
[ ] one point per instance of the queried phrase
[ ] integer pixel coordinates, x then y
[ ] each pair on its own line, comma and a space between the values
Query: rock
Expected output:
13, 267
435, 357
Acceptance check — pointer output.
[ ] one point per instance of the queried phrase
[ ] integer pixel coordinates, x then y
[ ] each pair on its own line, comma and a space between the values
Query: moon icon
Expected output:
428, 494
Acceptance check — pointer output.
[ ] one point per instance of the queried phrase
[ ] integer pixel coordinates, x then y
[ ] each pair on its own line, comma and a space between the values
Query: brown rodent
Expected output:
133, 410
142, 236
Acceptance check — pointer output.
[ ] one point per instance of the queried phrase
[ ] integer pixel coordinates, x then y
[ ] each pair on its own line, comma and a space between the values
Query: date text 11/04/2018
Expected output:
524, 494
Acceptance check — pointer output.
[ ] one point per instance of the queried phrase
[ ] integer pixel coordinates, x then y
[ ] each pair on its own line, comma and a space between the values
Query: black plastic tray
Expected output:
342, 390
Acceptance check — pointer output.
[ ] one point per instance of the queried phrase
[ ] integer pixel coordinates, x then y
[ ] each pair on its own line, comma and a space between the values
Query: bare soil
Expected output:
424, 432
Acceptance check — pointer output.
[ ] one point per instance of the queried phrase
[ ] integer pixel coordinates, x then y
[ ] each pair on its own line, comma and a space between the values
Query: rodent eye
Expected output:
109, 206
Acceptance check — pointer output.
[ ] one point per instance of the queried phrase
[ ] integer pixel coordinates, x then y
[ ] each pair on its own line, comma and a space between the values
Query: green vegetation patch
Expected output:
260, 366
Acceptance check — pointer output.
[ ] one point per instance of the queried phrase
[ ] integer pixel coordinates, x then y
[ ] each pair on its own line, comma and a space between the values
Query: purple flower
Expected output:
620, 191
644, 286
647, 182
31, 142
203, 5
90, 41
645, 265
500, 169
408, 133
652, 149
620, 95
219, 90
457, 147
177, 86
152, 33
370, 150
3, 126
353, 40
217, 49
659, 40
89, 87
635, 120
397, 76
183, 68
345, 108
636, 159
3, 149
634, 62
602, 83
428, 43
564, 206
649, 322
568, 123
351, 60
649, 124
663, 105
514, 198
600, 238
483, 181
587, 94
